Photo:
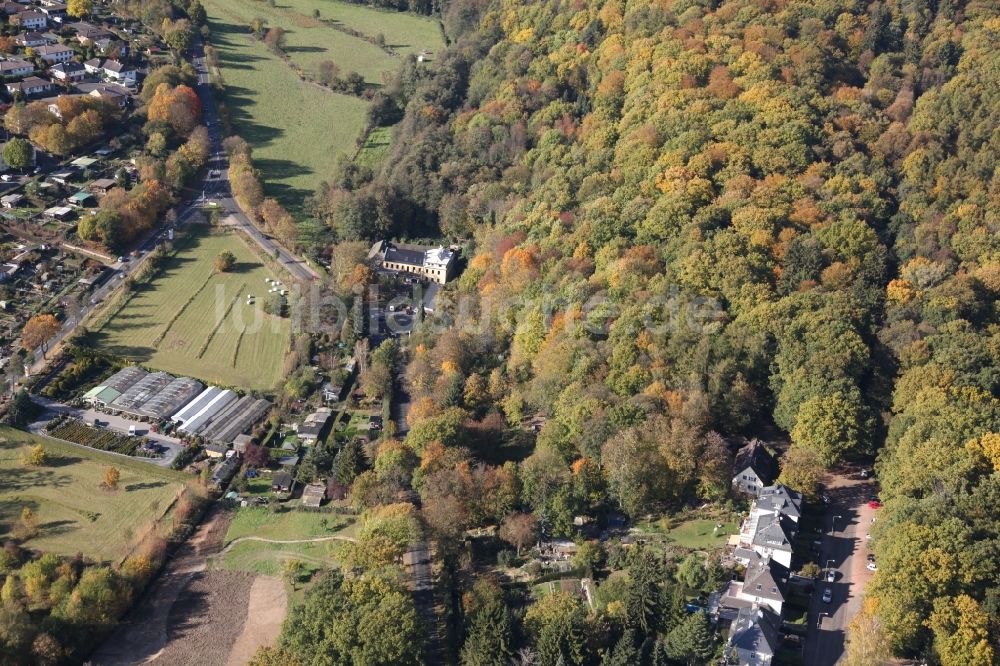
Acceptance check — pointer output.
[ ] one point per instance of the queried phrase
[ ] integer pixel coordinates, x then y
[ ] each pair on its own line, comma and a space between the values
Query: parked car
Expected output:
831, 576
871, 558
874, 503
872, 566
827, 595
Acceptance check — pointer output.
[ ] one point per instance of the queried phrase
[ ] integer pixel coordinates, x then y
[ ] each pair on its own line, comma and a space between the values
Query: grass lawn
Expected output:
74, 514
297, 129
258, 486
269, 558
376, 147
695, 534
214, 336
288, 525
404, 33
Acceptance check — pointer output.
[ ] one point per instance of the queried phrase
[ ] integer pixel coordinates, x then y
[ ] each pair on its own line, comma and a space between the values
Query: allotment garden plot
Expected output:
74, 513
191, 320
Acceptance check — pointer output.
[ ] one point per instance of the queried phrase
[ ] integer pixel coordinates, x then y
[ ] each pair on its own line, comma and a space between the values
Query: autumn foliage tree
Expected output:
36, 456
275, 39
225, 261
519, 530
178, 106
39, 331
82, 120
111, 478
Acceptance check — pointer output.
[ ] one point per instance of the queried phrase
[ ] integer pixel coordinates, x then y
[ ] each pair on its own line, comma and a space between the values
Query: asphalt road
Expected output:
844, 550
119, 270
216, 186
418, 564
214, 189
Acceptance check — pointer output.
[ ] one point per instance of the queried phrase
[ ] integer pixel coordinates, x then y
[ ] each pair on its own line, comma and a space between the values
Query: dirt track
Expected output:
191, 616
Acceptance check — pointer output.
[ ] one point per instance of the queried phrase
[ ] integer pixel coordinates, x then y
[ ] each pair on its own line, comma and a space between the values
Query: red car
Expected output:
874, 503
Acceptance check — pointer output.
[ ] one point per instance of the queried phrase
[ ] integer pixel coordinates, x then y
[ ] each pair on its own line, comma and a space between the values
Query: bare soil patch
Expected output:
266, 610
206, 619
144, 634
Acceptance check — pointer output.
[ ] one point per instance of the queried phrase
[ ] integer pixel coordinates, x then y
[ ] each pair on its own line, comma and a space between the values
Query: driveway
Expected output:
845, 550
120, 424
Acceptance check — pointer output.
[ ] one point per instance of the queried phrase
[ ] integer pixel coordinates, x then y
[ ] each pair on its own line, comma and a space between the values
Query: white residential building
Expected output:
55, 53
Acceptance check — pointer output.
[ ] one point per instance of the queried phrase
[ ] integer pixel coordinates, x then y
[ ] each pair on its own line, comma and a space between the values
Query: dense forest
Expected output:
686, 219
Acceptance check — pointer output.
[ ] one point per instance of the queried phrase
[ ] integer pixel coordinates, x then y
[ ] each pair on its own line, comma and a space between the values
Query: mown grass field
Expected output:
378, 143
74, 513
193, 321
310, 39
269, 558
403, 33
290, 525
298, 128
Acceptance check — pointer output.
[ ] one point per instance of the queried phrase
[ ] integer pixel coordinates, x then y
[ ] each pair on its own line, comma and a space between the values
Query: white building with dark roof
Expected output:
754, 468
30, 86
119, 72
68, 71
436, 264
30, 20
16, 68
754, 637
53, 53
765, 583
31, 39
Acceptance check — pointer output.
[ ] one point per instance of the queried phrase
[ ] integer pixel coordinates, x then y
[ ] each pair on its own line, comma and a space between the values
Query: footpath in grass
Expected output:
286, 525
191, 320
269, 558
74, 513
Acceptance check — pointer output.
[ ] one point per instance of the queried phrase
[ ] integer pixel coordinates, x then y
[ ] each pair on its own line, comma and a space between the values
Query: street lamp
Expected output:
833, 525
